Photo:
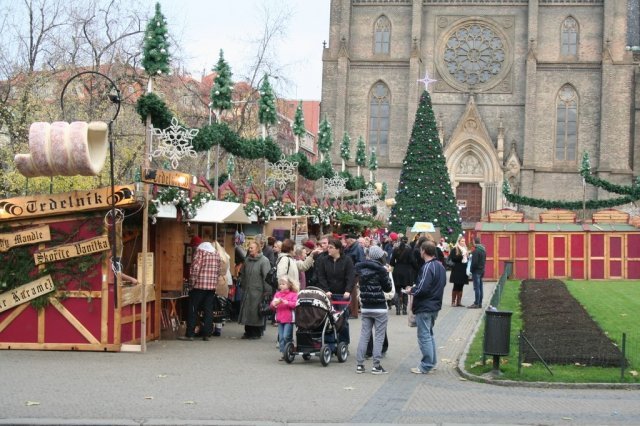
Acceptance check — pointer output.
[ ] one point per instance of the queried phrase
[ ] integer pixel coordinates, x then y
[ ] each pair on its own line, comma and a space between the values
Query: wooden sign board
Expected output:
65, 203
167, 178
26, 292
149, 268
602, 216
506, 215
67, 251
558, 216
24, 237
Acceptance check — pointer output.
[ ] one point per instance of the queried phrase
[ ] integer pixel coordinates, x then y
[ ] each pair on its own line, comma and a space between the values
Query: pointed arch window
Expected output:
379, 113
569, 37
382, 36
566, 124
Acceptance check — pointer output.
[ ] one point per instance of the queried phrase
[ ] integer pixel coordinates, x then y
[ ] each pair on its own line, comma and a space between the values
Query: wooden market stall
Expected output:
557, 246
170, 238
59, 291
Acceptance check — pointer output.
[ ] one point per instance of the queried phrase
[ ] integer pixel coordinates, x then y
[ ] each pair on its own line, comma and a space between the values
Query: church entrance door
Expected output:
469, 194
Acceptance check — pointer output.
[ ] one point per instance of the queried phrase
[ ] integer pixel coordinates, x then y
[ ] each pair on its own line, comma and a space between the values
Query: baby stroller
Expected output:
317, 327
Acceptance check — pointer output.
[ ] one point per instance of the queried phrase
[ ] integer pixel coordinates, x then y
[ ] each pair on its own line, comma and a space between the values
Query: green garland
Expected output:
585, 171
569, 205
151, 105
251, 149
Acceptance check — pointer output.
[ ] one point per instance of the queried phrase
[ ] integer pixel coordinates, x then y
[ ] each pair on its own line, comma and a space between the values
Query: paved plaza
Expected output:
232, 381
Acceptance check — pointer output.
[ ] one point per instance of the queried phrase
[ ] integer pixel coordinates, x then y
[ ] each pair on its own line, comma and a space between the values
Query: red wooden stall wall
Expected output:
541, 256
521, 263
576, 256
596, 256
633, 256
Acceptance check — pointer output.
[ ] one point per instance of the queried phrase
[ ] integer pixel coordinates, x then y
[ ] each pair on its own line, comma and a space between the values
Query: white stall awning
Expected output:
220, 212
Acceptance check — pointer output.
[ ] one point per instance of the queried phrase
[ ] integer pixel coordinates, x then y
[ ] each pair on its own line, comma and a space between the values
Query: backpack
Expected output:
272, 275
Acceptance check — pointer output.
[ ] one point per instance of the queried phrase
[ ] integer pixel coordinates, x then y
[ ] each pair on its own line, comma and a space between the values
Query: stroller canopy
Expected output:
312, 308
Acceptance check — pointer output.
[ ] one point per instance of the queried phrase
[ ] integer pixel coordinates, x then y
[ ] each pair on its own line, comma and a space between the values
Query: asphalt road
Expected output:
232, 381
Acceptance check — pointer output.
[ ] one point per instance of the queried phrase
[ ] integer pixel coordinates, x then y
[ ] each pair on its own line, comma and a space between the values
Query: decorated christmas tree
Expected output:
267, 106
325, 138
298, 122
155, 55
373, 164
345, 149
424, 191
222, 85
361, 154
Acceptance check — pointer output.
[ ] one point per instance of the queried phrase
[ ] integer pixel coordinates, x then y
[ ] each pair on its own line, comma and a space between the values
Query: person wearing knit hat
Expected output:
374, 282
195, 241
393, 236
309, 244
376, 253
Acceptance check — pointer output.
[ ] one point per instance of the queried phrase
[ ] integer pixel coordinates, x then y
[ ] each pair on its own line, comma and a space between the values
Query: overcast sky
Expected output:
203, 27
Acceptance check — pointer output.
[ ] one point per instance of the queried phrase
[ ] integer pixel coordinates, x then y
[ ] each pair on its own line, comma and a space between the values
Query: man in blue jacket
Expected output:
427, 302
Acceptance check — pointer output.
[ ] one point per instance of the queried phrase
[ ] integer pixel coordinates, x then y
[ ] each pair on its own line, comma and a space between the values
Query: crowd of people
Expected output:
365, 275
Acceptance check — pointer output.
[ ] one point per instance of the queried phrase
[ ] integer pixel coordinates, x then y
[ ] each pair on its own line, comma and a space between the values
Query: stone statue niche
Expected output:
512, 167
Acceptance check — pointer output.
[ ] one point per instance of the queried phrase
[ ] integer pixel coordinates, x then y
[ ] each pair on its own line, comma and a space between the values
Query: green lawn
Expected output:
615, 305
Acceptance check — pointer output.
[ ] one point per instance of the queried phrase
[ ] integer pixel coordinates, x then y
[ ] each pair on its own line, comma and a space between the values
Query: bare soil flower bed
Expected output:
560, 328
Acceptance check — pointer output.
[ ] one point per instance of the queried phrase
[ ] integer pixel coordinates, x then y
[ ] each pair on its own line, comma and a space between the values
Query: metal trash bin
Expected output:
497, 333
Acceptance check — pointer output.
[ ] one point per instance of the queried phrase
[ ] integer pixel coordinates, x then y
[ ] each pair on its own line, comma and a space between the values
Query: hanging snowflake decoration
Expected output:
335, 186
282, 172
175, 142
369, 197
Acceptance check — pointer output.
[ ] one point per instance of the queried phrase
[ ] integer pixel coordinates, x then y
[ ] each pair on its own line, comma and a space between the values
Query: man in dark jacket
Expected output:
478, 261
353, 249
427, 302
336, 276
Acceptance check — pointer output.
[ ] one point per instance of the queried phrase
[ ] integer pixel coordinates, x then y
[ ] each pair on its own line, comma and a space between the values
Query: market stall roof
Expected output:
221, 212
553, 227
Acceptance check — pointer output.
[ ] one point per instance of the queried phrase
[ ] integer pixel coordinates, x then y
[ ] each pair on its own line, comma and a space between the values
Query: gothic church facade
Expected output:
524, 87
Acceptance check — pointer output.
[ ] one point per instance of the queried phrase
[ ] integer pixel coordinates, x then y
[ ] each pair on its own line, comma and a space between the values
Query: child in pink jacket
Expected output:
284, 302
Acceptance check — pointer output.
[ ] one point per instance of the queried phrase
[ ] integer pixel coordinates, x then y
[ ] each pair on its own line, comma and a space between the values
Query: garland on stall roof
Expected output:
151, 105
585, 171
569, 205
180, 198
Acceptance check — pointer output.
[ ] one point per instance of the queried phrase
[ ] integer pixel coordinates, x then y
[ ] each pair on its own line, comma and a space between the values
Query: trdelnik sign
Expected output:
65, 203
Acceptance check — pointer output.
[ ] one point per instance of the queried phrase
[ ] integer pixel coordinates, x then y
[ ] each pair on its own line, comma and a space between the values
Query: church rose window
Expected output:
474, 55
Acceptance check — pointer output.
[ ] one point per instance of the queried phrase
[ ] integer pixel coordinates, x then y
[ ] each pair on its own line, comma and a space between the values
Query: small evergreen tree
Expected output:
298, 125
298, 121
155, 54
424, 191
325, 138
373, 164
222, 85
345, 149
267, 114
361, 154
